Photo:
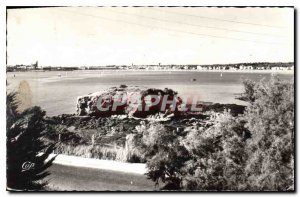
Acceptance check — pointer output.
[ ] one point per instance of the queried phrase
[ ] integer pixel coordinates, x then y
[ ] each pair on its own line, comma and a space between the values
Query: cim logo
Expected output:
27, 166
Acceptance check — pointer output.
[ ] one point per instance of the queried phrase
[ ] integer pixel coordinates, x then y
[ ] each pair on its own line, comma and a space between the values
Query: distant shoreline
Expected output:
227, 71
171, 70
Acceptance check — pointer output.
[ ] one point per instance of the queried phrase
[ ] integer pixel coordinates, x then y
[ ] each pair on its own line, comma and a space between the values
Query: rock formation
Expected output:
131, 100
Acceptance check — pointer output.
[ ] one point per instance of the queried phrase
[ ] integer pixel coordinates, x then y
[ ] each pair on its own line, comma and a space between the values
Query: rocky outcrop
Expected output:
130, 100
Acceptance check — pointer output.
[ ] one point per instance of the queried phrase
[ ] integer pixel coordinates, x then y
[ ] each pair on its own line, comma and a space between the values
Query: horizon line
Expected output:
289, 62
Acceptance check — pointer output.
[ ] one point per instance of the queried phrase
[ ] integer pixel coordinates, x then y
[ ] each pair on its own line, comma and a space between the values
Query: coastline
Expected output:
222, 71
288, 72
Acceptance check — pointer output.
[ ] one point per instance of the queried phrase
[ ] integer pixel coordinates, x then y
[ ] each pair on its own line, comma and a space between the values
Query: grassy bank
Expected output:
118, 137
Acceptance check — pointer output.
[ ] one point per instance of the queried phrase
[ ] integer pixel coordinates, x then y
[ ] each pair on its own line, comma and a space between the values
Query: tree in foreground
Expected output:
217, 156
270, 118
251, 152
27, 153
165, 156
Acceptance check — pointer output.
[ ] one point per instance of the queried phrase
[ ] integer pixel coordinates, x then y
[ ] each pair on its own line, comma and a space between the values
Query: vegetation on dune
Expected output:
218, 156
253, 151
111, 137
271, 122
114, 152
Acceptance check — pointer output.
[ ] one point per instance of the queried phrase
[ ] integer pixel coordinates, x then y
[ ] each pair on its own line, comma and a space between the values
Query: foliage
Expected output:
25, 146
11, 108
99, 152
249, 152
217, 156
165, 156
271, 122
249, 87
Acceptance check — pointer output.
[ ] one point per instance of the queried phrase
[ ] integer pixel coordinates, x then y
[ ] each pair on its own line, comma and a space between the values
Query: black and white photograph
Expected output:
150, 99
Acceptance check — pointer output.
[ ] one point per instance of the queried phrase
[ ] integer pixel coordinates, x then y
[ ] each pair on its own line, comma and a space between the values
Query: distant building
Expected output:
83, 68
36, 65
199, 67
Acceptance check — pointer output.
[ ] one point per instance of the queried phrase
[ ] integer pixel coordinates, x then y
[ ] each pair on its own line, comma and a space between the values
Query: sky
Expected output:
98, 36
